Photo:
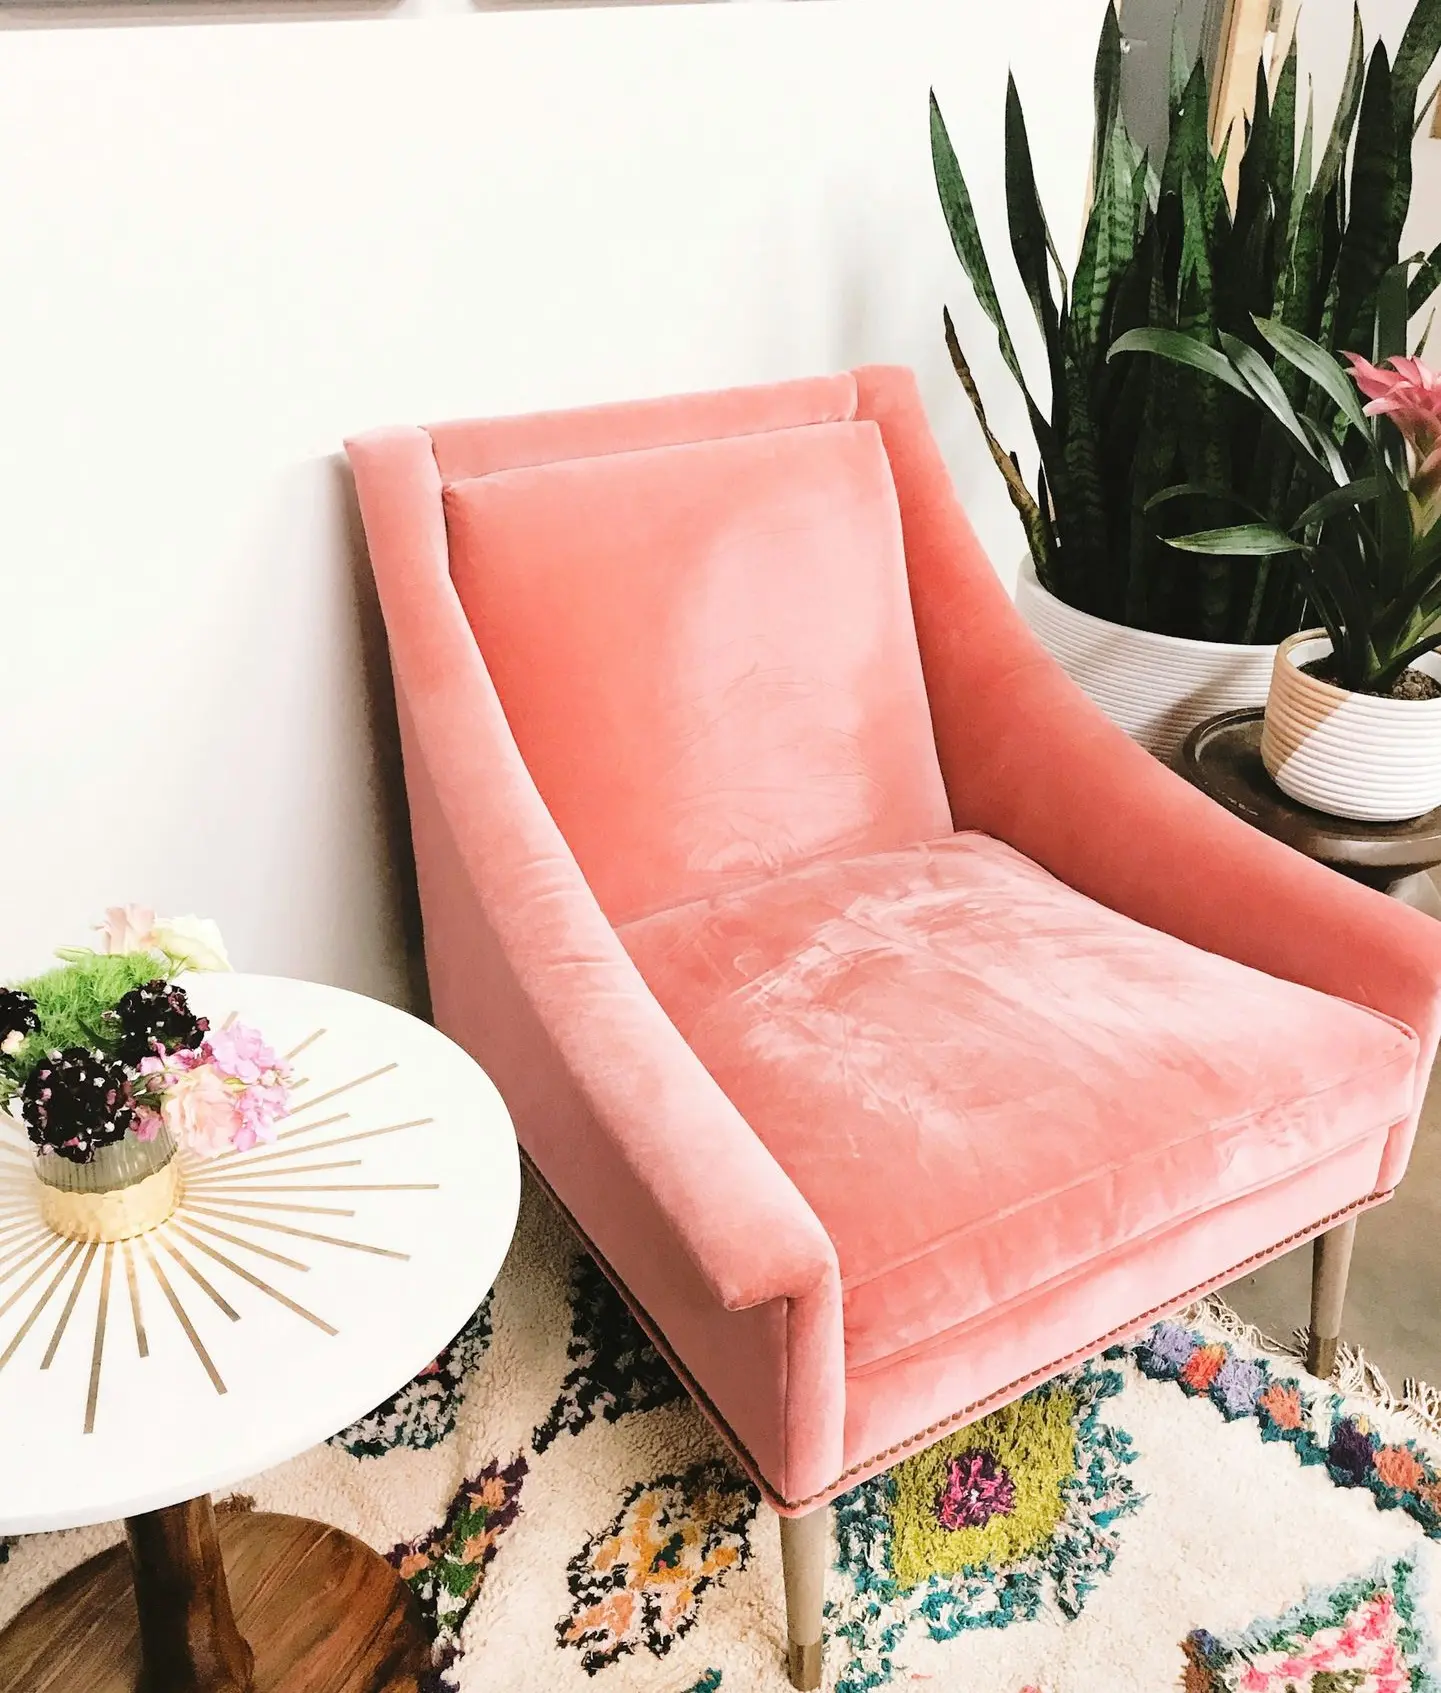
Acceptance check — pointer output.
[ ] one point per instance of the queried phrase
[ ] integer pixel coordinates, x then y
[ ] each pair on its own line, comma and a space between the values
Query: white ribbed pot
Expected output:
1352, 755
1155, 687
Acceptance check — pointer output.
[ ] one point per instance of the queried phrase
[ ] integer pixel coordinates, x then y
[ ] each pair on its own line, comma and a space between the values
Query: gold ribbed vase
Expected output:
125, 1189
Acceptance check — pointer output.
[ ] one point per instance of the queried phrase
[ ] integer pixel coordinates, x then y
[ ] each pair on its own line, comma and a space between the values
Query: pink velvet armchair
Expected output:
893, 1030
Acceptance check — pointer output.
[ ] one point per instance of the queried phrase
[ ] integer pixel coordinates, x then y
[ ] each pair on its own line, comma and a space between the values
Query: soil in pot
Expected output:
1409, 685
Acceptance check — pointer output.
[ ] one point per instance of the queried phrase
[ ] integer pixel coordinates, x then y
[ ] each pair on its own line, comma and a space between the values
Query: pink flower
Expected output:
146, 1124
241, 1052
1409, 393
199, 1110
163, 1064
260, 1109
127, 928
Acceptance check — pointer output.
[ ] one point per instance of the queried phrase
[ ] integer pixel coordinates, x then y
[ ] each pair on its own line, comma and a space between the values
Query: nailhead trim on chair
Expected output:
967, 1413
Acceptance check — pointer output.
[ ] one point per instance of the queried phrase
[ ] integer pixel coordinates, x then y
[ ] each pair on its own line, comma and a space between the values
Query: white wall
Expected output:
225, 247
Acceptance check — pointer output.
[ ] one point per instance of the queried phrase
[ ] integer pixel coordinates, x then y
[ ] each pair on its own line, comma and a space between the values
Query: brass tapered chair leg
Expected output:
1330, 1266
804, 1543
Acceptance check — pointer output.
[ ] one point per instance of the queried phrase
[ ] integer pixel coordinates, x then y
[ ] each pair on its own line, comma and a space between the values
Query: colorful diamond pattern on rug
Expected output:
639, 1581
1364, 1636
977, 1488
615, 1369
422, 1413
981, 1530
445, 1568
1318, 1425
989, 1495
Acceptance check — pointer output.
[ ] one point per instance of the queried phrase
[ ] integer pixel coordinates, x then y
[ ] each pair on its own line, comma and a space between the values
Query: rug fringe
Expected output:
1355, 1375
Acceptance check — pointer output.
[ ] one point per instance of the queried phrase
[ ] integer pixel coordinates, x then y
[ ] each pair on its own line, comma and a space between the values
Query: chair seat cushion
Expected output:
985, 1083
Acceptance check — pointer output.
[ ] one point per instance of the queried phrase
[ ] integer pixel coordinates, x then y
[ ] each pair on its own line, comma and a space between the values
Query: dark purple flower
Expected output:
1351, 1453
977, 1488
156, 1017
18, 1018
76, 1101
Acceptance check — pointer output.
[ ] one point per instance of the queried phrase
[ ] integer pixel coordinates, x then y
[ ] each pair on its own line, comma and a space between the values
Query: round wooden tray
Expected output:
1222, 757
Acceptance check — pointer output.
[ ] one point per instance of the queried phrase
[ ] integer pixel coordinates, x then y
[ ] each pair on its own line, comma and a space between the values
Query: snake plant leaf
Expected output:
1253, 179
1419, 47
1280, 154
1107, 89
1393, 313
1377, 208
1181, 349
960, 218
1190, 137
1319, 366
1301, 179
1152, 469
1205, 457
1244, 540
1030, 238
1180, 70
1107, 247
1027, 510
1426, 281
1083, 471
1347, 107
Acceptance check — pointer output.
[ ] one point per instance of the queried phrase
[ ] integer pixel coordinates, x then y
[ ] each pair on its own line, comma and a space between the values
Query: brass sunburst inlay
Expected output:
224, 1202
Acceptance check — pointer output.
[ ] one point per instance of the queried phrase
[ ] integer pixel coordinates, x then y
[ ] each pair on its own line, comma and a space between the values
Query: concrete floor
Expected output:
1393, 1301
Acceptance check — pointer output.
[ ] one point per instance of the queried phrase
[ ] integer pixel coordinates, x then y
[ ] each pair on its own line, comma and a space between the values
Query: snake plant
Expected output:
1309, 239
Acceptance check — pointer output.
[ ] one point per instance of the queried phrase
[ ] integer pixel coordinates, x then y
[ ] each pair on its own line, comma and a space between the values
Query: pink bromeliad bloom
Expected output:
1409, 393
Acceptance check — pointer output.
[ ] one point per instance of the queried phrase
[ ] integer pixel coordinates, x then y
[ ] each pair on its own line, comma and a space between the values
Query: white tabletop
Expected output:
296, 1288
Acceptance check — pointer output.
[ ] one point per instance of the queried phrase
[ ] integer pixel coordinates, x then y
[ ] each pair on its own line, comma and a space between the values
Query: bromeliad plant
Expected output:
1314, 229
1367, 547
107, 1045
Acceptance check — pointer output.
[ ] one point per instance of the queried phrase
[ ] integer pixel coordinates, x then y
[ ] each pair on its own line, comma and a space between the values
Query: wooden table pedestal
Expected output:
250, 1602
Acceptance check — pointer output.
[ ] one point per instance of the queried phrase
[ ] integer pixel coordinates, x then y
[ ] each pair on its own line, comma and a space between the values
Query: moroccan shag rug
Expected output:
1190, 1512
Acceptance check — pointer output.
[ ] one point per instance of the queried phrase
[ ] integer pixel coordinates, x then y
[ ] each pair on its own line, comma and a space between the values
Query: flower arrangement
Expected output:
107, 1047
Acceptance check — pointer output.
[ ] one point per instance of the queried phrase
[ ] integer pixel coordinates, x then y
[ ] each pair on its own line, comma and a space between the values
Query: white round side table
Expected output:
296, 1287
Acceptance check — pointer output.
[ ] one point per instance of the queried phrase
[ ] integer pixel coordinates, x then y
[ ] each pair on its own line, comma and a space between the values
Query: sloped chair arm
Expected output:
1029, 759
667, 1130
1033, 762
740, 1219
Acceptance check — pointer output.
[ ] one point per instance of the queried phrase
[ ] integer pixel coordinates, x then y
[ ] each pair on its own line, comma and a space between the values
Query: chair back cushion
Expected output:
706, 654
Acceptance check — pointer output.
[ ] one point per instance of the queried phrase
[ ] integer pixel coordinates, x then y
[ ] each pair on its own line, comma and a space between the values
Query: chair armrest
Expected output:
670, 1136
1028, 758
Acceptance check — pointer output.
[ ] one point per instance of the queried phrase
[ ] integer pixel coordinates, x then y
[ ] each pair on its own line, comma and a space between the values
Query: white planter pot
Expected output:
1352, 755
1155, 687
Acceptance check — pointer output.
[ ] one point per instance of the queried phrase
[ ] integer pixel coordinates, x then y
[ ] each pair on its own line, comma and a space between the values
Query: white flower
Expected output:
12, 1042
191, 941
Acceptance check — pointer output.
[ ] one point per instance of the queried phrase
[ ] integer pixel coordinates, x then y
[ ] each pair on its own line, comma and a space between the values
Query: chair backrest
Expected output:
696, 615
